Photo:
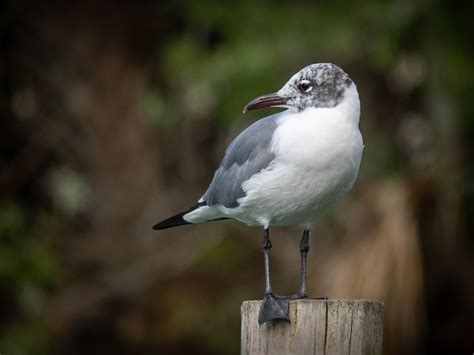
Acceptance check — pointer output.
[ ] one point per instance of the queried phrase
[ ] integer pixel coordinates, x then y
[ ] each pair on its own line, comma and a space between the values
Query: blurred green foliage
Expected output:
28, 270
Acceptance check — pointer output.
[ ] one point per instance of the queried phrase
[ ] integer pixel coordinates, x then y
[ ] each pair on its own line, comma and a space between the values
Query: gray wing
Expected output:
248, 154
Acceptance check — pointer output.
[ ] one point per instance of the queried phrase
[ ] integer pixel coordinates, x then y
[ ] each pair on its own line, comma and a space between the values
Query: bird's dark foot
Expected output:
273, 308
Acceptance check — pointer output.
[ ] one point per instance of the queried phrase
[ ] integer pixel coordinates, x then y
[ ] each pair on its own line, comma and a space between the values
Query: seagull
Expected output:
287, 168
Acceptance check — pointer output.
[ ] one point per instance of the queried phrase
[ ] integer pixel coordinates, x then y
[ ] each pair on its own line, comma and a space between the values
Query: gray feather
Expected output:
248, 154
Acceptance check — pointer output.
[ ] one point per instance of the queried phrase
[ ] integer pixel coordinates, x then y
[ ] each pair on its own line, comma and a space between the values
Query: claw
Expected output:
274, 307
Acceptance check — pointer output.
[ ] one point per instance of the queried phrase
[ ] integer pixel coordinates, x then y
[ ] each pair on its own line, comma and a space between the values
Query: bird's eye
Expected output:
305, 86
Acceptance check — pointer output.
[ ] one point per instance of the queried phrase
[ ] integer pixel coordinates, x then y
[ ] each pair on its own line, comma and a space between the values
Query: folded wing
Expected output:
248, 154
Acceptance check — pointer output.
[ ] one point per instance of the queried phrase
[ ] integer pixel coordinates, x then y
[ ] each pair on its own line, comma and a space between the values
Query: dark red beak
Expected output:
265, 101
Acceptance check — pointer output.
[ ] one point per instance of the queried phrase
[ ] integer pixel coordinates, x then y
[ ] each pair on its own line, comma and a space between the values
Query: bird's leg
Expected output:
304, 248
273, 306
267, 245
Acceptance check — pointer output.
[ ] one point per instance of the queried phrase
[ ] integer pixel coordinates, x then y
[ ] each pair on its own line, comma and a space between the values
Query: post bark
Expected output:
317, 327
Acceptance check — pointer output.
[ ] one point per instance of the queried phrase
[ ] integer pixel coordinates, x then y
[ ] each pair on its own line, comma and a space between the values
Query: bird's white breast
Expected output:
318, 153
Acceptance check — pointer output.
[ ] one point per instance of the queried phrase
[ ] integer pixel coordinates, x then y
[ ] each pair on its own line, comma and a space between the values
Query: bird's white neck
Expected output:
350, 105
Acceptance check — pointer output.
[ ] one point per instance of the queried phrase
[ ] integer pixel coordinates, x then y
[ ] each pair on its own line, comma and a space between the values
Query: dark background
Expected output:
114, 115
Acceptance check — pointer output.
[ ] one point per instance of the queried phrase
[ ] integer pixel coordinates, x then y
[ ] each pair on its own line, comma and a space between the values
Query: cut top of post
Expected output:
317, 327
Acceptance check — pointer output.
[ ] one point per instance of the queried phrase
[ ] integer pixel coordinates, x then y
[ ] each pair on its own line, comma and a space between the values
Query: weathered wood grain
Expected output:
317, 327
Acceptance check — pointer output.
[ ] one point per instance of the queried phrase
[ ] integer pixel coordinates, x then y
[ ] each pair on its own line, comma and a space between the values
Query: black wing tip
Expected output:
176, 220
158, 227
171, 222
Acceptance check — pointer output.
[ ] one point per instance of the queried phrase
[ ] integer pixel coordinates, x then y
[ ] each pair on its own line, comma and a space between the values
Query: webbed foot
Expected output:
274, 308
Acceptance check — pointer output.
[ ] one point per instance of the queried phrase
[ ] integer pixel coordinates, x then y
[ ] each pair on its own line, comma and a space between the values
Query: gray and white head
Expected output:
321, 85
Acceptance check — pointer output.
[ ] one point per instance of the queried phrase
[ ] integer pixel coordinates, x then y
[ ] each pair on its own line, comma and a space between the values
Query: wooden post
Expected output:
317, 327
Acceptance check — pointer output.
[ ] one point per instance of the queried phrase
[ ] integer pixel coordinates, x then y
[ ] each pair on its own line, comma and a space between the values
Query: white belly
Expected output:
318, 158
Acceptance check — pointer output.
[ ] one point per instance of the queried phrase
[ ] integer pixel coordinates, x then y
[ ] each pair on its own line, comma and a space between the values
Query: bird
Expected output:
287, 168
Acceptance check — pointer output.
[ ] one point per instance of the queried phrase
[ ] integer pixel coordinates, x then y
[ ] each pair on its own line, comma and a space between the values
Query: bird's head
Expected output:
318, 85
